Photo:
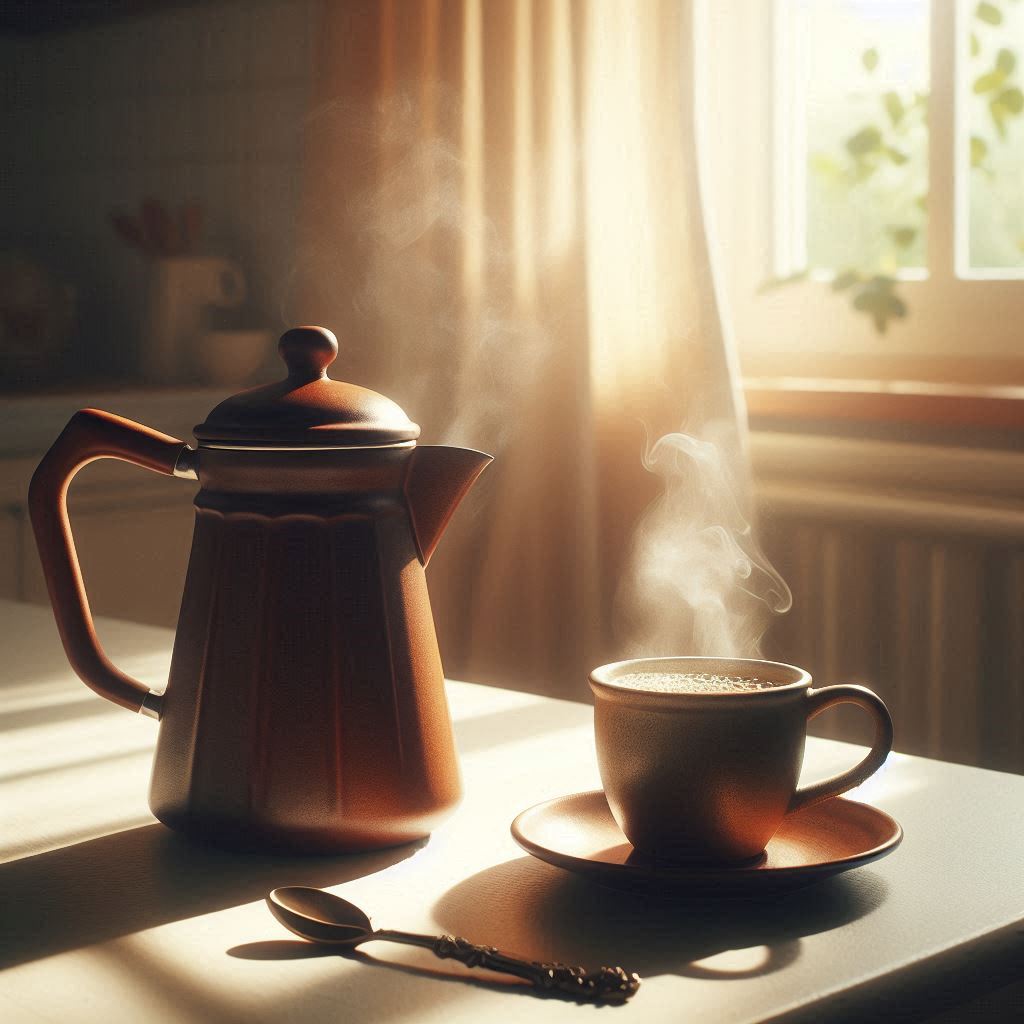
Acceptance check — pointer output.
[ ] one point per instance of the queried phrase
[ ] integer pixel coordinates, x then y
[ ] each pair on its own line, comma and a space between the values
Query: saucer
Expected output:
578, 833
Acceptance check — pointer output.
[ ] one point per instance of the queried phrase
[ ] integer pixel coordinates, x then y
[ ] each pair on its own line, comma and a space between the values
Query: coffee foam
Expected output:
690, 682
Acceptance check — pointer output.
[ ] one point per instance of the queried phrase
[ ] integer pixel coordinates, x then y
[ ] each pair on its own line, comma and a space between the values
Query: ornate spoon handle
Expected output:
607, 984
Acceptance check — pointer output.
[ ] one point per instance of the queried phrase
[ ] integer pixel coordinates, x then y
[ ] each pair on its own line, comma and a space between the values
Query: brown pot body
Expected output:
305, 708
306, 705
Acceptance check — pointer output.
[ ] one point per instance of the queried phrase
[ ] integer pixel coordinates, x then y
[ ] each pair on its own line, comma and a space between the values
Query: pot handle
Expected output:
92, 434
827, 697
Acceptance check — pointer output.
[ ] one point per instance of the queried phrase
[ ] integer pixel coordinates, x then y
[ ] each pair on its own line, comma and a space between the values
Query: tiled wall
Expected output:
203, 101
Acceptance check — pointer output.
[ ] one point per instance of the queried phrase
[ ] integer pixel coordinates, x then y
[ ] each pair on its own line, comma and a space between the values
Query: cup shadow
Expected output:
542, 913
143, 877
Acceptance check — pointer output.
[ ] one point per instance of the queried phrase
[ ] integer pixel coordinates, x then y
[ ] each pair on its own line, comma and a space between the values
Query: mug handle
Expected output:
827, 697
92, 434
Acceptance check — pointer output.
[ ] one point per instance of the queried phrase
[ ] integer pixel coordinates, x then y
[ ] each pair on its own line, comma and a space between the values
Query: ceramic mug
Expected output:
709, 776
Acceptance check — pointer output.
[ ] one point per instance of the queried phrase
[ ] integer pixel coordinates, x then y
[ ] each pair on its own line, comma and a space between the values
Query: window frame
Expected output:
967, 330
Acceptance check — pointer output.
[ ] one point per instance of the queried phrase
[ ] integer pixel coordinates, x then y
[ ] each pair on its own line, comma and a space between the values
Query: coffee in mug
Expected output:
700, 757
689, 682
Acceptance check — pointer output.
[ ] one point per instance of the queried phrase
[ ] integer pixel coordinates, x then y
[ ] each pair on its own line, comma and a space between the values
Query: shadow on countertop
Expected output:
143, 877
542, 913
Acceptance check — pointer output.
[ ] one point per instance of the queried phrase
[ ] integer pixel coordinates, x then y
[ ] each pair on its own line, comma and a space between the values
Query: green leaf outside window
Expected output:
989, 13
867, 140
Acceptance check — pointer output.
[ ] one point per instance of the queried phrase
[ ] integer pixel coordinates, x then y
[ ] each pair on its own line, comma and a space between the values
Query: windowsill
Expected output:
802, 400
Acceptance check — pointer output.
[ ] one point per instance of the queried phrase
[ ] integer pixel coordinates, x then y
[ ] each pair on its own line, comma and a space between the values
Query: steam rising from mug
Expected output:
698, 583
472, 346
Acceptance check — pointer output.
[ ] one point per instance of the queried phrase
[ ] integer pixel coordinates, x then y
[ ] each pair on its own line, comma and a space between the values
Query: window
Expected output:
852, 80
874, 149
990, 139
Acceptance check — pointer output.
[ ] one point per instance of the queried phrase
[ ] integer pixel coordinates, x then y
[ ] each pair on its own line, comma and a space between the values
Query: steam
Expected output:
412, 225
422, 290
698, 583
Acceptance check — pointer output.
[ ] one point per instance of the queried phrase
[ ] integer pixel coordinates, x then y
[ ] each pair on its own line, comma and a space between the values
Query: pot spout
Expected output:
438, 478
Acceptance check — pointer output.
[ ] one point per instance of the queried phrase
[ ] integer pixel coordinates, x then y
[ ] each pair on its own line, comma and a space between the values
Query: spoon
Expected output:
328, 919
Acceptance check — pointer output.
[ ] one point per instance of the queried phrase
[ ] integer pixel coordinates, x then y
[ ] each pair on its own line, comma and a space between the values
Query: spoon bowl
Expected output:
319, 916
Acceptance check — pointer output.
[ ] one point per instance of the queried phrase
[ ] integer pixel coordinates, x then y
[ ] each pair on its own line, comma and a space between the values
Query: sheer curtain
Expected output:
502, 224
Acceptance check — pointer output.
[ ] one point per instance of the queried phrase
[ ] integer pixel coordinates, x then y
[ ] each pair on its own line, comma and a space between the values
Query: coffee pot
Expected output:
305, 707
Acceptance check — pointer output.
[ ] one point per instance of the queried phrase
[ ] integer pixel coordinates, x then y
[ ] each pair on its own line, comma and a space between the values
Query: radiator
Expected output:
906, 564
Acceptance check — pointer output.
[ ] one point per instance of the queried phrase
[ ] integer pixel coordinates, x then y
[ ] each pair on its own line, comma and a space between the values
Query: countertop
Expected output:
108, 916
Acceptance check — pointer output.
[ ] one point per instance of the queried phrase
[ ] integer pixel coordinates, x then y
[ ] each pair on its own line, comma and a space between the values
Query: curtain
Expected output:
502, 223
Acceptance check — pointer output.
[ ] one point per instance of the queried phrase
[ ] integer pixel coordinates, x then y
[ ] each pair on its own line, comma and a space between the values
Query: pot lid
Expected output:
307, 408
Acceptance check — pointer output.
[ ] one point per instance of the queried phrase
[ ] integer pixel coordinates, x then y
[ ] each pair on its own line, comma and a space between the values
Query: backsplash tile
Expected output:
201, 102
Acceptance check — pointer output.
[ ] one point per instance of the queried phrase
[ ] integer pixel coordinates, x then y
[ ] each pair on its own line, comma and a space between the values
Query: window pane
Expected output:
857, 93
991, 95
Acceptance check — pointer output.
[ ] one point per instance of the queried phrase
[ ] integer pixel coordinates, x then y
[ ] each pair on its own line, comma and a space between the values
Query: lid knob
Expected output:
308, 351
307, 408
